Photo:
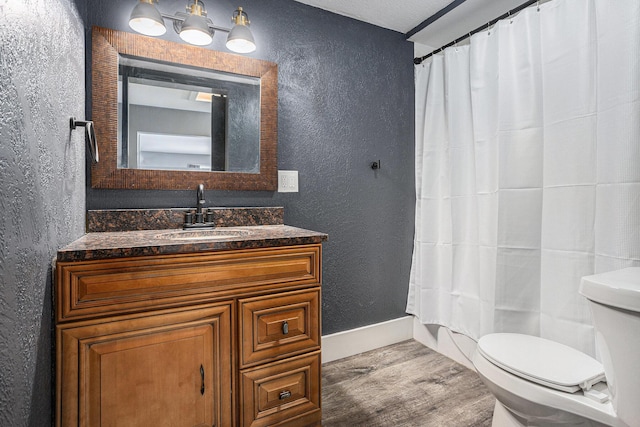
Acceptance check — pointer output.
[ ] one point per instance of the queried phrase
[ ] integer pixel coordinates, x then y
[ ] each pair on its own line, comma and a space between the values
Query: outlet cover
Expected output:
287, 181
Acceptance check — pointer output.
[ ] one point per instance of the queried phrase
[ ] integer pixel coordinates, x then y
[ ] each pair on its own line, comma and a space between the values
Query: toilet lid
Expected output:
542, 361
619, 288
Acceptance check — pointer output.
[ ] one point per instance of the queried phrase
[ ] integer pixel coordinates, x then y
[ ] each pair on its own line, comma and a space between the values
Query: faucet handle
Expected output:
188, 218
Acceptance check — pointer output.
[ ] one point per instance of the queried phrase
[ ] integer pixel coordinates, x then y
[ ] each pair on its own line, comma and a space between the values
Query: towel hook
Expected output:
91, 136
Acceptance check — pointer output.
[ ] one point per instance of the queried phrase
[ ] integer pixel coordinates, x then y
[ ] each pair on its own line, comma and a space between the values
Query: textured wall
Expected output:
345, 99
42, 193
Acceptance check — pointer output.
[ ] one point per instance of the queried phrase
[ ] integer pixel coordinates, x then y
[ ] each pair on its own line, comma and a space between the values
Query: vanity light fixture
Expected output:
146, 19
240, 39
194, 27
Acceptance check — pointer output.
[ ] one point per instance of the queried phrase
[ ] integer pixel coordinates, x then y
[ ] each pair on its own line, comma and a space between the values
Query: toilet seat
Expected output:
542, 361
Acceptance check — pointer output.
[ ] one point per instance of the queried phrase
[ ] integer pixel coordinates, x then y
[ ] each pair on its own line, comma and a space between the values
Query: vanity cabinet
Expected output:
210, 338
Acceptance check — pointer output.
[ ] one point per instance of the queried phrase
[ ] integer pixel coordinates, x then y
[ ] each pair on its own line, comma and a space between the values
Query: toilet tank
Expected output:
614, 299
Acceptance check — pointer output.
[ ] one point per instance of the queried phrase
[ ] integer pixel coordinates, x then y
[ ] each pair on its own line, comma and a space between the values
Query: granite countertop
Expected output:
103, 245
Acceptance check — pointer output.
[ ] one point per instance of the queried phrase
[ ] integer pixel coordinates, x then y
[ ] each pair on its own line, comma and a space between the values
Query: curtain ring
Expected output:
488, 29
538, 6
510, 18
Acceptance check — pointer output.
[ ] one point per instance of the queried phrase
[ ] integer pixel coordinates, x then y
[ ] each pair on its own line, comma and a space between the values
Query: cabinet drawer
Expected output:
275, 327
115, 286
282, 393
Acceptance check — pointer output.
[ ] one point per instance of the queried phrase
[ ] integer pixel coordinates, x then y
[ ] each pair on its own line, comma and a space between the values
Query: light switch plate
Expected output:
287, 181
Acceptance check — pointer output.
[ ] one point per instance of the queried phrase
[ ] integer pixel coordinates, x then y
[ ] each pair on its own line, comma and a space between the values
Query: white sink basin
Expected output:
210, 234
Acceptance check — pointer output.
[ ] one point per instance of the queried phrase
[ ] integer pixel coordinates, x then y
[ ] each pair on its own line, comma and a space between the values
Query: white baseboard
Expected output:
355, 341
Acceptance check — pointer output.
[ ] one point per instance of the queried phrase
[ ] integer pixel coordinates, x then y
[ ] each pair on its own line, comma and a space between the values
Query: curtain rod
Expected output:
526, 4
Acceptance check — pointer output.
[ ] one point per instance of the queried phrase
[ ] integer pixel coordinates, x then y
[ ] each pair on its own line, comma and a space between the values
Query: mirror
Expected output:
202, 121
172, 116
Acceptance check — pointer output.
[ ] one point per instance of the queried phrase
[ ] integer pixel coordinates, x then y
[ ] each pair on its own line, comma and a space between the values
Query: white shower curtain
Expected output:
528, 170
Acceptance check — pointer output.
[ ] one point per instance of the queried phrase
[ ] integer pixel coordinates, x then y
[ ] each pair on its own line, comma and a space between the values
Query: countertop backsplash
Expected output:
109, 220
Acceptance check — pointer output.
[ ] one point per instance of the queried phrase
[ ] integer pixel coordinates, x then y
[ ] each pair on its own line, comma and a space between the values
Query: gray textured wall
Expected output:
346, 98
42, 190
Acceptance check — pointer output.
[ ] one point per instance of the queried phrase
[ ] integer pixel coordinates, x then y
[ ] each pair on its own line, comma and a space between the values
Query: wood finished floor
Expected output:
403, 385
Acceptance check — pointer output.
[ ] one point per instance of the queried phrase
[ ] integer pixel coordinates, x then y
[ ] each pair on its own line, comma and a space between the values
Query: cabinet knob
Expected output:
285, 394
285, 327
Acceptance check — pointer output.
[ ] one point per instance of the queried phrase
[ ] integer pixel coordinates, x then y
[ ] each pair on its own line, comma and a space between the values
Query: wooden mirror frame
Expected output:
107, 45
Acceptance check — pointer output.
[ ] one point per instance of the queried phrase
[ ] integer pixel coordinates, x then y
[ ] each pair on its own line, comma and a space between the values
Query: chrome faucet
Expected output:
200, 201
199, 220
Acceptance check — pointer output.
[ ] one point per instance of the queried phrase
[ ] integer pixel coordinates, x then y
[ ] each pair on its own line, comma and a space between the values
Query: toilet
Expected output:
538, 382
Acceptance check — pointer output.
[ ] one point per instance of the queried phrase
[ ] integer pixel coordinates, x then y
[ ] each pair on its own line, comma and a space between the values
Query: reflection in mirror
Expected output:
174, 118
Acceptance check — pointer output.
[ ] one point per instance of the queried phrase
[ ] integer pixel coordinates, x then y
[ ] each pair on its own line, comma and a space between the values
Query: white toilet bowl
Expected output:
531, 402
538, 382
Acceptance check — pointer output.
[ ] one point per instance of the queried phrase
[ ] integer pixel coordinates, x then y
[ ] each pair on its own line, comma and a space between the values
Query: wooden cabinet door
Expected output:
169, 369
163, 378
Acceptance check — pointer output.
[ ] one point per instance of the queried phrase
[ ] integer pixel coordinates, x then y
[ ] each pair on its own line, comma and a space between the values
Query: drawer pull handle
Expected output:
285, 327
285, 394
202, 378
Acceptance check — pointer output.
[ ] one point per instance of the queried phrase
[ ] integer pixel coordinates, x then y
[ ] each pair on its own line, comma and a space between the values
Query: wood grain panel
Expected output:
93, 288
161, 356
261, 326
163, 382
260, 390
